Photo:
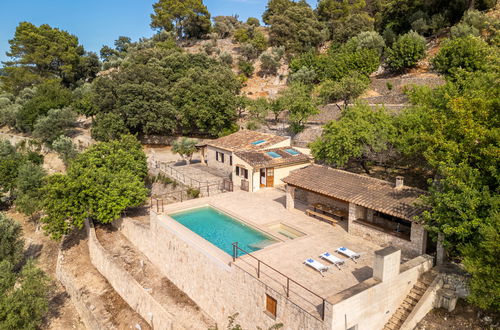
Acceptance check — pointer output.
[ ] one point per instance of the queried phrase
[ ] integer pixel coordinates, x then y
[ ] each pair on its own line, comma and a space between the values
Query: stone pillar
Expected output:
418, 237
440, 250
290, 197
369, 215
387, 263
351, 216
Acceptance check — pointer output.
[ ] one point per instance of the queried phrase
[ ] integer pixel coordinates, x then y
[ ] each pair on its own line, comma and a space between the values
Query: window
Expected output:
270, 172
243, 172
219, 156
231, 160
271, 305
256, 143
273, 154
292, 152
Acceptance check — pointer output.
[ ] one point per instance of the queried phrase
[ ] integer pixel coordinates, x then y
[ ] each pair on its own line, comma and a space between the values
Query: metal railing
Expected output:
288, 280
182, 177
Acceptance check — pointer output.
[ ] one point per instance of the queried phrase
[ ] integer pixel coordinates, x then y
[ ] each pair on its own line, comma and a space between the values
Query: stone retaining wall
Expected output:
84, 311
126, 286
219, 288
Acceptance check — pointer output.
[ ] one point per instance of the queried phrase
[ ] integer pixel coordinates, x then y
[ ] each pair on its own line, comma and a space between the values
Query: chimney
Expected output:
399, 182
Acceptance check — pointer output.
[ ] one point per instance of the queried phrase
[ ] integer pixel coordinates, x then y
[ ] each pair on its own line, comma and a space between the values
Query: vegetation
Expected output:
406, 51
23, 290
100, 184
185, 147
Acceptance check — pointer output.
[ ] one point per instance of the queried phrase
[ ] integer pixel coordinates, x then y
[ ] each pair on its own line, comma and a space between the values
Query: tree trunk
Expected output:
363, 165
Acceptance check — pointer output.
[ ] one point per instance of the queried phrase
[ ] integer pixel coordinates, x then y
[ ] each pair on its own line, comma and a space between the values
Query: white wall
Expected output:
212, 162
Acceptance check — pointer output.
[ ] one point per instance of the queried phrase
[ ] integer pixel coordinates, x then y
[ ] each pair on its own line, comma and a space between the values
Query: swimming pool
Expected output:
222, 230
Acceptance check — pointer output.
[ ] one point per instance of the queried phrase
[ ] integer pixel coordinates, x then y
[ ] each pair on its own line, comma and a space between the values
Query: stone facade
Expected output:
371, 303
218, 287
212, 161
411, 248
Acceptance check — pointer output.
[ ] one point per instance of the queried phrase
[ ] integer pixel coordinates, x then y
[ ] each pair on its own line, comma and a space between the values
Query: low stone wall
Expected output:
218, 287
84, 311
424, 305
126, 286
371, 303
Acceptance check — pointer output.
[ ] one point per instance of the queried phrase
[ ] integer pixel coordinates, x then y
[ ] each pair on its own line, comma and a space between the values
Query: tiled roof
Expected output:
245, 139
262, 158
378, 195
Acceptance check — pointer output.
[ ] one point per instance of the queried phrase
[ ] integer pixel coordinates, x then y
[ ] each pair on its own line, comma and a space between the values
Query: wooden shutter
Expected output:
271, 305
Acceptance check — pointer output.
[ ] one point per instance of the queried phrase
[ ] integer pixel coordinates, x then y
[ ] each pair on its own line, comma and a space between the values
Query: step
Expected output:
402, 313
418, 291
407, 306
415, 295
396, 323
420, 285
411, 299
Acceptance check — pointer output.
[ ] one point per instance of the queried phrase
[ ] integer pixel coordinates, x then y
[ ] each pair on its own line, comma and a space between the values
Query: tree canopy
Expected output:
100, 184
43, 52
187, 18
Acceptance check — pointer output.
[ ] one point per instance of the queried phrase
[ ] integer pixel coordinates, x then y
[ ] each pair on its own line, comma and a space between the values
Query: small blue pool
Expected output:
222, 230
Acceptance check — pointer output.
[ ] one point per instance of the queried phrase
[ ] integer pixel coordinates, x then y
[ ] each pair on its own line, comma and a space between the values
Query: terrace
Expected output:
280, 266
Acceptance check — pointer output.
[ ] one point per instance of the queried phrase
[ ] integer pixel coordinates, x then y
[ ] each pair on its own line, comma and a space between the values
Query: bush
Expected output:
193, 193
226, 58
367, 40
107, 127
304, 75
249, 51
463, 30
64, 146
246, 68
252, 21
468, 53
269, 64
406, 51
55, 123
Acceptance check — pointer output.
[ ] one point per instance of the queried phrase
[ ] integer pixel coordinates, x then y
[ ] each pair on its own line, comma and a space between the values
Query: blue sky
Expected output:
100, 22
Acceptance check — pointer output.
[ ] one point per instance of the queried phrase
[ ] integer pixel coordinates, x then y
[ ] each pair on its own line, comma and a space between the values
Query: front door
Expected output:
269, 177
262, 177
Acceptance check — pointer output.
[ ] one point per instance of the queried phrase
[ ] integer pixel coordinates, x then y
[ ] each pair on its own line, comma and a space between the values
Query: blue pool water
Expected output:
222, 230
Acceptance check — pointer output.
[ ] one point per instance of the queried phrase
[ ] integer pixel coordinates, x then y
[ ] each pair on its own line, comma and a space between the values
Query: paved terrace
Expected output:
265, 208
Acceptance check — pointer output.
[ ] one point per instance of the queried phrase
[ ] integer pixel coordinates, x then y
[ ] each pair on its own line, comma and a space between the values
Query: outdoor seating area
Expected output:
326, 213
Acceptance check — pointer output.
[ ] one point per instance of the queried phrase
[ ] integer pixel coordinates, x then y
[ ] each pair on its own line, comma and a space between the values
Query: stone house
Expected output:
377, 210
254, 160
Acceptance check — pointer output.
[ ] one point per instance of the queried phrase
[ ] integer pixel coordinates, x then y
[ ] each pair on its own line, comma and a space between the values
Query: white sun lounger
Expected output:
316, 265
348, 253
333, 259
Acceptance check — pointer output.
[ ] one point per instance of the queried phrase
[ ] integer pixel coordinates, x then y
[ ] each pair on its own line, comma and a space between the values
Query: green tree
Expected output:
296, 29
346, 89
39, 53
360, 133
100, 184
48, 95
10, 160
65, 148
23, 297
224, 26
11, 241
331, 10
367, 40
468, 53
252, 21
188, 19
406, 51
246, 68
275, 7
57, 122
29, 182
108, 126
300, 105
350, 26
185, 147
269, 64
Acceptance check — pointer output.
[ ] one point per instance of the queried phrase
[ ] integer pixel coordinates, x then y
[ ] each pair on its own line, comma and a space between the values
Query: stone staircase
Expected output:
409, 302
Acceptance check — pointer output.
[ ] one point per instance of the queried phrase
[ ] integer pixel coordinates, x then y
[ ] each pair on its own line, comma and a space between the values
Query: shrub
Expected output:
108, 126
54, 124
463, 30
468, 53
368, 40
406, 51
193, 193
226, 58
249, 51
65, 147
252, 21
269, 64
246, 68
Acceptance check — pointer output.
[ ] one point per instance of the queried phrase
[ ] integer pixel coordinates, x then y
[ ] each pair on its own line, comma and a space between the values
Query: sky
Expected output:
100, 22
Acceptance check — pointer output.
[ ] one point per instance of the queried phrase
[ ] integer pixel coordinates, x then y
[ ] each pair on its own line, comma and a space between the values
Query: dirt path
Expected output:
63, 314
